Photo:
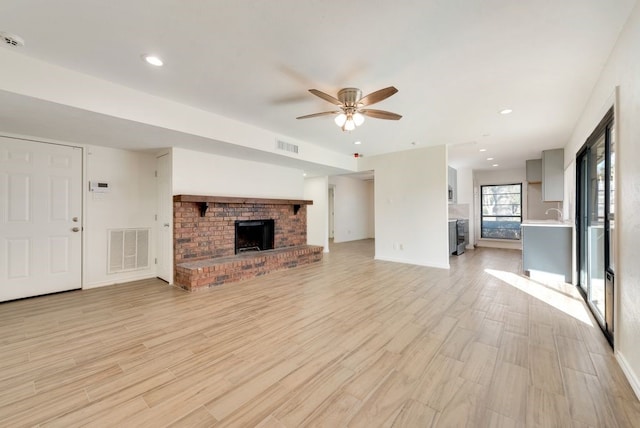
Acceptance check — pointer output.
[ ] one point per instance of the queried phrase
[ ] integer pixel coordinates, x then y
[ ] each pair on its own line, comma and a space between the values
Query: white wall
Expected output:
622, 71
131, 203
465, 196
351, 208
371, 200
488, 177
197, 173
411, 206
34, 78
536, 207
316, 189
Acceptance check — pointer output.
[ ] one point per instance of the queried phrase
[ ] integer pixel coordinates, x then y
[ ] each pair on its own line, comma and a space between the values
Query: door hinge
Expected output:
156, 261
156, 217
155, 174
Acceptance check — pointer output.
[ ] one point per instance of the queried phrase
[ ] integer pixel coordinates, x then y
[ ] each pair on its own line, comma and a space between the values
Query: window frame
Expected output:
482, 216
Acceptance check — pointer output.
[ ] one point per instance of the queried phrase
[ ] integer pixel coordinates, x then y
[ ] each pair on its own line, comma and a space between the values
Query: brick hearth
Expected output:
204, 232
220, 270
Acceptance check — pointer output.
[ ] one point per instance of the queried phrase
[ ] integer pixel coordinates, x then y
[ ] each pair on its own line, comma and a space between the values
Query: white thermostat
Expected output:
99, 186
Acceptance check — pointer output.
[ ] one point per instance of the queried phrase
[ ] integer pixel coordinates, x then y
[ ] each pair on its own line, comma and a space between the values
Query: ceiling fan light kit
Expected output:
349, 125
351, 101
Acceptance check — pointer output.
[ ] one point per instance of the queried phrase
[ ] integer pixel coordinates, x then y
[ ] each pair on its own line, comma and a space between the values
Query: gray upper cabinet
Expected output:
453, 186
534, 170
553, 175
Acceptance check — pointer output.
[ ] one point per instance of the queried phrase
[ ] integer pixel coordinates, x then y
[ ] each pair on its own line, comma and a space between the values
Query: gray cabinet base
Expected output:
547, 249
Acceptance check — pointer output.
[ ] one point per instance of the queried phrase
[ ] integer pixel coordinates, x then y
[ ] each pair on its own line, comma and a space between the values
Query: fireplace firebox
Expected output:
254, 235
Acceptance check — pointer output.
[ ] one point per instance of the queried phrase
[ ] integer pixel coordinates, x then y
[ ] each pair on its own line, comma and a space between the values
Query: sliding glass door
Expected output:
595, 222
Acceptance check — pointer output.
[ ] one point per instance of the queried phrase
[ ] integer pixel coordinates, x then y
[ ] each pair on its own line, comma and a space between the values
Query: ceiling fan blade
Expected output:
324, 113
325, 97
380, 114
377, 96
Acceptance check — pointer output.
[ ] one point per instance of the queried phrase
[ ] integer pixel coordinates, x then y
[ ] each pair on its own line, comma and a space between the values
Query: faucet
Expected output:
560, 213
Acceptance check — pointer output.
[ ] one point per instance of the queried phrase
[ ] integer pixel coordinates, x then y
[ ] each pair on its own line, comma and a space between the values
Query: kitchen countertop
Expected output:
547, 223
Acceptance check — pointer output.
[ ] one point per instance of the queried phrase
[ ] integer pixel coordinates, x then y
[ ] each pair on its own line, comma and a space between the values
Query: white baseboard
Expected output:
629, 373
118, 281
414, 262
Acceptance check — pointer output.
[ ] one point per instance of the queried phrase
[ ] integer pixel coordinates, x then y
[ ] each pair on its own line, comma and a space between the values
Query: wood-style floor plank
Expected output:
349, 341
415, 414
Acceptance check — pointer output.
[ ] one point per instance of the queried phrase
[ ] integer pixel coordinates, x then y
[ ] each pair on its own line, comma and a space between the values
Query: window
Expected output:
501, 211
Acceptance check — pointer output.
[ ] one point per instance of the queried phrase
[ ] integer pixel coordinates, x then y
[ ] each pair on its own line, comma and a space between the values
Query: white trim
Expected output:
628, 372
413, 262
120, 281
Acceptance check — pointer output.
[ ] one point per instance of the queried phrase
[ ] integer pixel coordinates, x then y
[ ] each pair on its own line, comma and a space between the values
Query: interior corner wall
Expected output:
351, 208
317, 190
464, 183
536, 207
371, 200
411, 206
619, 86
130, 203
198, 173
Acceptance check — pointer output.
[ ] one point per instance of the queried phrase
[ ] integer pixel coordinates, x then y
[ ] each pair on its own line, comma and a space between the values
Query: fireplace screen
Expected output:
254, 235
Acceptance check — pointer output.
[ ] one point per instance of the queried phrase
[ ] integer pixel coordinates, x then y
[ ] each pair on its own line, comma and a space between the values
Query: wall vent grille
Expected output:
287, 147
128, 250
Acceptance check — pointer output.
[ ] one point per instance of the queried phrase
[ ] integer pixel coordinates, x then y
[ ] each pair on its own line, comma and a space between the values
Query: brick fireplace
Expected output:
204, 234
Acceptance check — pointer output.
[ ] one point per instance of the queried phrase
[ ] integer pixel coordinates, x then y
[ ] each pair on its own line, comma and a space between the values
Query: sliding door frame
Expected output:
606, 320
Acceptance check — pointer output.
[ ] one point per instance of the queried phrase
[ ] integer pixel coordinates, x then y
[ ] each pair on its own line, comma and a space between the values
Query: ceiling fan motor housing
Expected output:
349, 97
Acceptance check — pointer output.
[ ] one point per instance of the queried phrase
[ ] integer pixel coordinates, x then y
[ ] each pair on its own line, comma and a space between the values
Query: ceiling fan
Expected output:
351, 101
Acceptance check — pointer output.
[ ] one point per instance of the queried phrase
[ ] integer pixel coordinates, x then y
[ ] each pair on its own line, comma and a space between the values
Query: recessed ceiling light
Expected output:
152, 59
495, 164
489, 158
357, 142
304, 174
483, 150
506, 111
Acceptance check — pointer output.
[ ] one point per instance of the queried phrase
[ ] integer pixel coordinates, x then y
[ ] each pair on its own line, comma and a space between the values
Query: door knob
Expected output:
76, 229
166, 225
75, 219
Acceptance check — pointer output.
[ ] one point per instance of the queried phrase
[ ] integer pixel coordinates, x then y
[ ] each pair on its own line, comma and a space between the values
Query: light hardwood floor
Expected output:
346, 342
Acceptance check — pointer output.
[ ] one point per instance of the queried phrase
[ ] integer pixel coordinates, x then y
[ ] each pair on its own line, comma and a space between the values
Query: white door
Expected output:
40, 218
165, 219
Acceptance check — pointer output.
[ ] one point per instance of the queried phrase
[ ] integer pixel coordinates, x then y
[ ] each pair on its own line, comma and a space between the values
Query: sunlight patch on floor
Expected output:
548, 290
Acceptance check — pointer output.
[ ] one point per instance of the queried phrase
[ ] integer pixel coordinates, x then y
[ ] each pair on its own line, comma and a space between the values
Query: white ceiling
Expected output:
456, 63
